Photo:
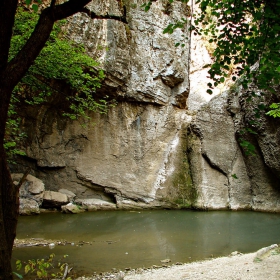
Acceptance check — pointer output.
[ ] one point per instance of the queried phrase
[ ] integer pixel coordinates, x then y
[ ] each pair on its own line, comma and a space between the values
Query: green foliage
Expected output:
62, 67
275, 110
41, 268
34, 6
13, 133
244, 39
172, 26
247, 146
147, 6
246, 34
60, 60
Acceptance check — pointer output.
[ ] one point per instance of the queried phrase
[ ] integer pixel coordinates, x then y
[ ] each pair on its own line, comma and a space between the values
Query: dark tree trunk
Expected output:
8, 195
10, 74
8, 217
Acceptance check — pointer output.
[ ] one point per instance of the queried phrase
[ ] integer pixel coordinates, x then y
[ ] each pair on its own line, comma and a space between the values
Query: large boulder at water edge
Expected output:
31, 187
93, 204
54, 199
28, 206
71, 208
69, 194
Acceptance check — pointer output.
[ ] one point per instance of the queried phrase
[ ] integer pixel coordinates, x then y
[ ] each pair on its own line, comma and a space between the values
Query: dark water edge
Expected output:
131, 239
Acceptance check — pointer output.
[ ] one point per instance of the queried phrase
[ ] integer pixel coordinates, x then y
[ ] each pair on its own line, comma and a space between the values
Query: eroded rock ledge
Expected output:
164, 145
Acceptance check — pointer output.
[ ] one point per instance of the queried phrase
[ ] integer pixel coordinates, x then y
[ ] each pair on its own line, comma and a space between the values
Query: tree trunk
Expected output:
9, 202
10, 74
8, 217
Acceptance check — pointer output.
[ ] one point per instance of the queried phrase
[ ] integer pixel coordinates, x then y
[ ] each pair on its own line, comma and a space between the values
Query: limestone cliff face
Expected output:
166, 143
224, 175
135, 154
142, 64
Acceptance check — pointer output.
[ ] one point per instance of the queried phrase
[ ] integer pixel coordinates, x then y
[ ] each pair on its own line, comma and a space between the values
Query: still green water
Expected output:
122, 239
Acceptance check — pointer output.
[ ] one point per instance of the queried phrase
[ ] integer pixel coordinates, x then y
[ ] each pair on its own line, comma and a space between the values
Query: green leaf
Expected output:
18, 275
27, 268
251, 131
35, 7
248, 147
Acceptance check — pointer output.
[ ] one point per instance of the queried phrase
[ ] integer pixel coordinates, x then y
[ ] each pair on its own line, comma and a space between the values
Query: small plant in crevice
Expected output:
247, 146
274, 110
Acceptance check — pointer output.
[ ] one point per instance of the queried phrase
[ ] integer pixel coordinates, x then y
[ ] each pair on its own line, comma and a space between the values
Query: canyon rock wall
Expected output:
224, 174
166, 143
135, 154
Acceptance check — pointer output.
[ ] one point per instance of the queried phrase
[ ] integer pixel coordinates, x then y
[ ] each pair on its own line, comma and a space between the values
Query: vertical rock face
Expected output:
142, 64
134, 154
148, 150
224, 175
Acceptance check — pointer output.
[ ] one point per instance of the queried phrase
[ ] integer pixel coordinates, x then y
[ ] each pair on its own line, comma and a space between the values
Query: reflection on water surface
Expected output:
123, 239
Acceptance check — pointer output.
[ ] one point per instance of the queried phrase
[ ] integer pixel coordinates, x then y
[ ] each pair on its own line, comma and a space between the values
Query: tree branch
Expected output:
53, 3
23, 178
19, 65
7, 18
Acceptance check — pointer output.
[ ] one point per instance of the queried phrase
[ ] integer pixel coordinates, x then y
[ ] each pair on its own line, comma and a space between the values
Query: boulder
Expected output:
53, 199
71, 208
69, 194
36, 186
28, 207
31, 184
32, 188
92, 204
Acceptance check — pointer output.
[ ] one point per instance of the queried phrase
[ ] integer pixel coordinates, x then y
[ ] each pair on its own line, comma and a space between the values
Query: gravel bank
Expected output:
262, 265
258, 265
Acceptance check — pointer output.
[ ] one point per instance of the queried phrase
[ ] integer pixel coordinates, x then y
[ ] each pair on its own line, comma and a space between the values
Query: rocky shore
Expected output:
263, 264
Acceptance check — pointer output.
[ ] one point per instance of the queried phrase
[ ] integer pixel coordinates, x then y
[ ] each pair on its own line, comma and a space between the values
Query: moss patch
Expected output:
185, 194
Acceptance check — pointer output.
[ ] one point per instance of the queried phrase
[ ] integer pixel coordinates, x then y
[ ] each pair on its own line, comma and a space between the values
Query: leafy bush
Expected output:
62, 67
41, 268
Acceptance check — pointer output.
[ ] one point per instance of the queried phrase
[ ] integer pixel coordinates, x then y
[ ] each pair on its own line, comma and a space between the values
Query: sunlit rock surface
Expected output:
135, 155
31, 194
223, 174
166, 143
